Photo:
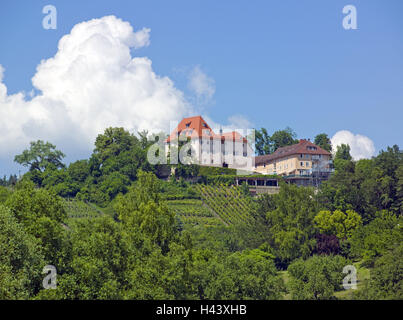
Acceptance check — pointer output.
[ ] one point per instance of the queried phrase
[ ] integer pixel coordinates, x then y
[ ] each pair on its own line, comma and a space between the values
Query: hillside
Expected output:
80, 209
194, 212
227, 202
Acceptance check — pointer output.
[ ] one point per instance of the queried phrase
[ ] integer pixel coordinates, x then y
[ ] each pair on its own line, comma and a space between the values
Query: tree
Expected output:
141, 208
112, 142
290, 223
4, 194
40, 155
337, 223
79, 170
250, 274
386, 282
343, 152
317, 278
327, 244
263, 142
100, 253
21, 261
41, 213
372, 240
399, 189
282, 138
322, 140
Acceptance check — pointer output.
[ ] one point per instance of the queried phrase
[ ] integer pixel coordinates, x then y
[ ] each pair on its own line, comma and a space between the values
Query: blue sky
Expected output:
276, 63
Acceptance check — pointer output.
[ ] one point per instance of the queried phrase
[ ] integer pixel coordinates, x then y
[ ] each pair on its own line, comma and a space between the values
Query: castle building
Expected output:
208, 148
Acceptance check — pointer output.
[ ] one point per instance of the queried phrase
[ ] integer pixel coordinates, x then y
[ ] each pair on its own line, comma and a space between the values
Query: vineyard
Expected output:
228, 202
193, 212
80, 209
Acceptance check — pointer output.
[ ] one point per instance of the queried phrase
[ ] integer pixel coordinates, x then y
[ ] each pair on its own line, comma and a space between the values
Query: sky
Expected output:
144, 64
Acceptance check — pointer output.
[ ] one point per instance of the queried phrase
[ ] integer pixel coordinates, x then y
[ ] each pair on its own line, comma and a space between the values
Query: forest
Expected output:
116, 227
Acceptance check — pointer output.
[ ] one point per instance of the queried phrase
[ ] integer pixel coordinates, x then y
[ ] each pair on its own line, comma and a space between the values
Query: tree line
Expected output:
296, 246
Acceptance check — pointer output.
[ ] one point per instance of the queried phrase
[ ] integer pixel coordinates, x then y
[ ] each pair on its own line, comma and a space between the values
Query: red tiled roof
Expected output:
196, 127
302, 147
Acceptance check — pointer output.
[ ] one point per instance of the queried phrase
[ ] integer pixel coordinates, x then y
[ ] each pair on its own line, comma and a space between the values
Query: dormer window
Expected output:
204, 124
188, 125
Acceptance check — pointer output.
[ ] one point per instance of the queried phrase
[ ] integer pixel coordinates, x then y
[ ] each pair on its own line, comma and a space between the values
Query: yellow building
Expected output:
303, 163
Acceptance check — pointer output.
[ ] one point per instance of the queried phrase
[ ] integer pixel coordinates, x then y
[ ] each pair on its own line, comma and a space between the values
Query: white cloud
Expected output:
1, 72
236, 122
361, 146
91, 83
201, 85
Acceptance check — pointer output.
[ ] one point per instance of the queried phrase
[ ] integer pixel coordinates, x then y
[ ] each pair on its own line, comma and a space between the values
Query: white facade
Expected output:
219, 152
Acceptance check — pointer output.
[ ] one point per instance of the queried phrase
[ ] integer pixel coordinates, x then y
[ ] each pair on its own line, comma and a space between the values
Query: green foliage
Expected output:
11, 181
229, 203
343, 152
40, 156
4, 194
282, 138
365, 186
99, 254
372, 240
290, 223
263, 143
41, 213
322, 140
142, 209
337, 223
250, 274
215, 171
177, 190
79, 171
176, 240
316, 278
386, 282
80, 209
21, 262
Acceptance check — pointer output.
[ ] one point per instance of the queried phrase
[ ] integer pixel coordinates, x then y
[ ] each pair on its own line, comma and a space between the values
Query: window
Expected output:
187, 125
307, 164
302, 164
301, 156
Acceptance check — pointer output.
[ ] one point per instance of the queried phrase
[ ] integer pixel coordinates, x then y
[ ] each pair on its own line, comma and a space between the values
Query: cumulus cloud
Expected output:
91, 83
361, 146
201, 85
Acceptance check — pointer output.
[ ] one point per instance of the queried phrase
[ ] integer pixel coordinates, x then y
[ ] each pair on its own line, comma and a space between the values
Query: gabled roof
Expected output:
302, 147
190, 127
197, 127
